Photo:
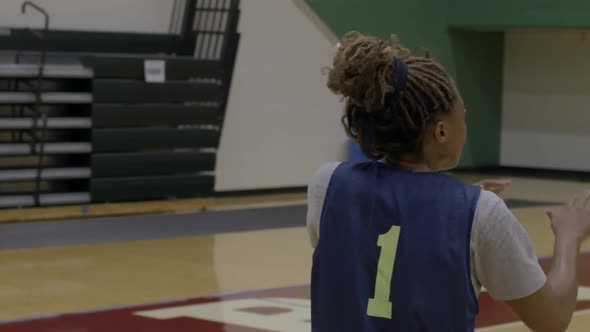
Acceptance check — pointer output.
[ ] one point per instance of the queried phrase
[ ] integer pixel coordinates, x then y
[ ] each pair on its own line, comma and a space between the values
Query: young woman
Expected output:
402, 247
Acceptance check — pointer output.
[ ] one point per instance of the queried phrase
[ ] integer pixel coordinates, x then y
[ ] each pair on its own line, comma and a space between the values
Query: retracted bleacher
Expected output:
81, 121
45, 128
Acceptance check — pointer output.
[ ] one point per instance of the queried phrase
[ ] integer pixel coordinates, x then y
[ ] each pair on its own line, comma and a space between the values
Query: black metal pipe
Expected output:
40, 140
187, 34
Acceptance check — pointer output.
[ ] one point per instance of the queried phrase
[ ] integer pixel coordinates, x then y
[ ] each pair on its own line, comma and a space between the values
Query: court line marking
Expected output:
294, 202
246, 206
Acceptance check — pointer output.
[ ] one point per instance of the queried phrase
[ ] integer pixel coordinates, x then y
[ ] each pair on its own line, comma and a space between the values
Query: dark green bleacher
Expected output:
79, 123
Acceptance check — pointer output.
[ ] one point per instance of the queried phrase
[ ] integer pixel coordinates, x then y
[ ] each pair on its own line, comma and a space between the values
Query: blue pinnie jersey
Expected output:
394, 253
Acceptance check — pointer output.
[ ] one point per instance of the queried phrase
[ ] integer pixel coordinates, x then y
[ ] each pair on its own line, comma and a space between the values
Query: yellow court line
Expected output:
258, 205
148, 207
101, 210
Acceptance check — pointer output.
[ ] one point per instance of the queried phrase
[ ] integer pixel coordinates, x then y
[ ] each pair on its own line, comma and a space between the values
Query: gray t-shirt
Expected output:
502, 258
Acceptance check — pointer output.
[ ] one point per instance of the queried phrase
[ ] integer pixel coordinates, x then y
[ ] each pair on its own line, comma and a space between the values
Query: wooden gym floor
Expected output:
247, 276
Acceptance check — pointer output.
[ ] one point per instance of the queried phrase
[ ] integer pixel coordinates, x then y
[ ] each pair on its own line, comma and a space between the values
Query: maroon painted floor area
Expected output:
126, 319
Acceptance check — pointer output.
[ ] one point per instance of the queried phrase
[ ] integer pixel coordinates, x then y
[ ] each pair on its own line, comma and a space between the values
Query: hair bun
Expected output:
361, 71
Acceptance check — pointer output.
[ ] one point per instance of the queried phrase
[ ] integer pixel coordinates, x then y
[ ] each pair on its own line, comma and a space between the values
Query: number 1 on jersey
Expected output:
380, 305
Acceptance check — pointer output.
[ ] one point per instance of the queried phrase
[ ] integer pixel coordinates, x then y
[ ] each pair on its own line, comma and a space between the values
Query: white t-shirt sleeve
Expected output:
503, 261
316, 193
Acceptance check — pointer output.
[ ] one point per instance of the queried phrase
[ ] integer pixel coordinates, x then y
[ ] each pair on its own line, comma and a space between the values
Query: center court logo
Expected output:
271, 314
292, 315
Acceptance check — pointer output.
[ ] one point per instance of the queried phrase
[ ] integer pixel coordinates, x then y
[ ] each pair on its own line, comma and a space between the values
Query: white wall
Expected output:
282, 122
99, 15
546, 107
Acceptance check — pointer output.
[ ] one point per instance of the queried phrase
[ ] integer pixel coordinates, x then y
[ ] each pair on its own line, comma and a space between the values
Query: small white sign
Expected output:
155, 71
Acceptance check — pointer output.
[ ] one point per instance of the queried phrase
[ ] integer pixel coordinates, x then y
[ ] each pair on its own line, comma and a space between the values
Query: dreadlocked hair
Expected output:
363, 74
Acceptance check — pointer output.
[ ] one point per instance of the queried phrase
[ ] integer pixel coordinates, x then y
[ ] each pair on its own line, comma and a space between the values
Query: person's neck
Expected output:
411, 163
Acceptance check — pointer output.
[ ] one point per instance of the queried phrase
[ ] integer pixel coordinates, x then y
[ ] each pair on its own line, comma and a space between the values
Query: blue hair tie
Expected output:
400, 75
400, 71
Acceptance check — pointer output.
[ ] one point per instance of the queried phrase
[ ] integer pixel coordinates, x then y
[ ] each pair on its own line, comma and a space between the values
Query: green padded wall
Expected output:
508, 14
473, 58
